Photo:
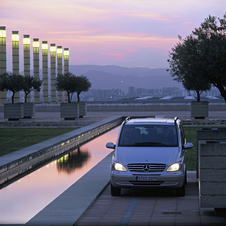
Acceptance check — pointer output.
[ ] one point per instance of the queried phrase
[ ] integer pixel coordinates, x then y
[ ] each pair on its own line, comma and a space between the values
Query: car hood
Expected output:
164, 155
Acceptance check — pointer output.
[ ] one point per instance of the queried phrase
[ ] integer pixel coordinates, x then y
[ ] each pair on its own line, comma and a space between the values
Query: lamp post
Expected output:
45, 72
59, 70
15, 58
53, 72
2, 59
36, 66
66, 62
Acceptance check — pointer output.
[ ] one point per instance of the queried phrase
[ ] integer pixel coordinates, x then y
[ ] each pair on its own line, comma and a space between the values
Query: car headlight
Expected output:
174, 167
118, 166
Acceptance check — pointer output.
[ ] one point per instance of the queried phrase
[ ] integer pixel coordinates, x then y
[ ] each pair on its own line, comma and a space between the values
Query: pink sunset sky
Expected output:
130, 33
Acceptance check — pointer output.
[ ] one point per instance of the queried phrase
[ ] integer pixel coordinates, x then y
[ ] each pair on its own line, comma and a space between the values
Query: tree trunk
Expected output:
198, 95
13, 98
78, 96
25, 98
222, 90
68, 97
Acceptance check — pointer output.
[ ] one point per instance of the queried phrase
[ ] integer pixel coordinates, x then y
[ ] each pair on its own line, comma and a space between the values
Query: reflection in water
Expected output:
73, 160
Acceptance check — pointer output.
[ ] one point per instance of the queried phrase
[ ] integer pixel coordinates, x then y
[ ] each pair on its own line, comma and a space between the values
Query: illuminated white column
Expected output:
36, 66
66, 60
53, 72
66, 65
2, 59
15, 59
45, 72
59, 70
26, 43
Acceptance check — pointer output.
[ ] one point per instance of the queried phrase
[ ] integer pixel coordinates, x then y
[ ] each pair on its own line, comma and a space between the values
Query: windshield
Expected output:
148, 136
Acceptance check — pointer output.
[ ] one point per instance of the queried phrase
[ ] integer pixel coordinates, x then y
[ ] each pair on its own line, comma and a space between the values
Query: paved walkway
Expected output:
150, 207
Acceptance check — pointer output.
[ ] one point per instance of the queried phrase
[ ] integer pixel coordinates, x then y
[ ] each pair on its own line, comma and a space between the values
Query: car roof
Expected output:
160, 121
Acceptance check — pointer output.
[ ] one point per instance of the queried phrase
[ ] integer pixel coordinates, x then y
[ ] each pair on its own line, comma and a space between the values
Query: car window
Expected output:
148, 136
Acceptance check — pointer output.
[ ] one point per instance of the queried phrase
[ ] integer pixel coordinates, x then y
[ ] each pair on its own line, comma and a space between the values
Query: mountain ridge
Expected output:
117, 77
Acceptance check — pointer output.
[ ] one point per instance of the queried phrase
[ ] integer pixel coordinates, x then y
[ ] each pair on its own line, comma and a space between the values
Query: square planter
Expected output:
82, 109
29, 109
212, 171
13, 111
208, 135
69, 111
199, 110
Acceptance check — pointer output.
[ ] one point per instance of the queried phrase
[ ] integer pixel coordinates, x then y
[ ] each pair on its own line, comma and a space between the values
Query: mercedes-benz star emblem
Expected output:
146, 168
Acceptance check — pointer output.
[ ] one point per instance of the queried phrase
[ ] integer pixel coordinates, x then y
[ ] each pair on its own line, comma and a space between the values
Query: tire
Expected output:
180, 192
186, 179
115, 191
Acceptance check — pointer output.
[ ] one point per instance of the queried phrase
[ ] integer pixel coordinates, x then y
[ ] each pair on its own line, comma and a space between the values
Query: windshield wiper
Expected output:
150, 144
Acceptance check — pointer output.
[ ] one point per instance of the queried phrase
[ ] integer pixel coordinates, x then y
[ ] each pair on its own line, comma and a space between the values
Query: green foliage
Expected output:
185, 66
16, 83
11, 82
71, 84
29, 84
83, 85
200, 58
68, 83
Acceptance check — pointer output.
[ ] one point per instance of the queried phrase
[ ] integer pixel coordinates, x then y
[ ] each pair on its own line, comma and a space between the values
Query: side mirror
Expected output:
110, 145
188, 146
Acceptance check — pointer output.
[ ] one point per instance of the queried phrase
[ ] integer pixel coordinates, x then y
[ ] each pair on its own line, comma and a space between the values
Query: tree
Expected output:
210, 56
12, 82
185, 66
83, 85
67, 82
29, 84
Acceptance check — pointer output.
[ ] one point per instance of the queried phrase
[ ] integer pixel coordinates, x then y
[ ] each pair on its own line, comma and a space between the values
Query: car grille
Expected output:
150, 167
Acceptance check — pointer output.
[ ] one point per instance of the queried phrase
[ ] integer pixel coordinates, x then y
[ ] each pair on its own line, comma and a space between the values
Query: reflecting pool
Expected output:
23, 199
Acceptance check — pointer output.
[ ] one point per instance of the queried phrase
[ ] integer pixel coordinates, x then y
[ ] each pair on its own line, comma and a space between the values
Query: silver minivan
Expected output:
149, 153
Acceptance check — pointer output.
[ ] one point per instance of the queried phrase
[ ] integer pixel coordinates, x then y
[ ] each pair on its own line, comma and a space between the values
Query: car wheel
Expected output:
115, 191
186, 179
180, 192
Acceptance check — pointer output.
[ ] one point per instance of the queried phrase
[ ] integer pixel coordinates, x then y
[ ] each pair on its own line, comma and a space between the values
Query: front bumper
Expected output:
163, 179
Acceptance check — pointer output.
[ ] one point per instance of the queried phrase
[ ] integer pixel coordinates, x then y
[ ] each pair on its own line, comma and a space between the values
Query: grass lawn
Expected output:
190, 134
13, 139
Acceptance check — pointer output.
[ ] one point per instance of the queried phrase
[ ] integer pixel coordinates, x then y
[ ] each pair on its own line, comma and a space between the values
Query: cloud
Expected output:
150, 16
102, 31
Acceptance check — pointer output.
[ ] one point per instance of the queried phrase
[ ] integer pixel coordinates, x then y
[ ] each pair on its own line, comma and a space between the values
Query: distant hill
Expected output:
123, 71
111, 76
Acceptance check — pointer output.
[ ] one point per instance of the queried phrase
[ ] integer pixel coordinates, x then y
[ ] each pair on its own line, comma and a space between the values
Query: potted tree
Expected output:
199, 109
83, 86
67, 82
13, 83
186, 67
30, 84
